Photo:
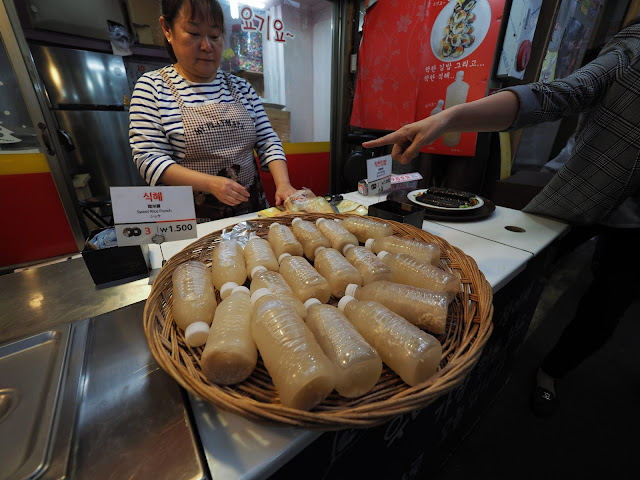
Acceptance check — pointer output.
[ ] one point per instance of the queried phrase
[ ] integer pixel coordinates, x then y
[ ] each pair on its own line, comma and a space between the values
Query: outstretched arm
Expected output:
490, 114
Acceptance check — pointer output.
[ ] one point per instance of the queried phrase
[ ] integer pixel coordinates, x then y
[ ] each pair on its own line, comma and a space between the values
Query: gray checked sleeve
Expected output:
577, 93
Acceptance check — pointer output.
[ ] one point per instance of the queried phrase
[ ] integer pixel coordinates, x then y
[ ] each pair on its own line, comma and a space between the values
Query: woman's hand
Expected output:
408, 140
228, 191
283, 192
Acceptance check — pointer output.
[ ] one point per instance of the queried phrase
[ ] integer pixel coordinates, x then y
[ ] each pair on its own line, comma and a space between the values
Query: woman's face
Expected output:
197, 45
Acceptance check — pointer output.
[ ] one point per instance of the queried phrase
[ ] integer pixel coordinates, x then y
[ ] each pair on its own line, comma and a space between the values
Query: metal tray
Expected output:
31, 381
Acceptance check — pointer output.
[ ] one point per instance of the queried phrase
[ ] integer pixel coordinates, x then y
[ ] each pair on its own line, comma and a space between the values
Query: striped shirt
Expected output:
156, 132
601, 180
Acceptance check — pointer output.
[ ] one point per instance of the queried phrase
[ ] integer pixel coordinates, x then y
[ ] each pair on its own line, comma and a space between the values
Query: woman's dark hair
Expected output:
203, 9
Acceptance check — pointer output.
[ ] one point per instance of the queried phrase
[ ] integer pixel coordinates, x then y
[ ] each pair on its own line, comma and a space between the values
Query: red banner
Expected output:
418, 57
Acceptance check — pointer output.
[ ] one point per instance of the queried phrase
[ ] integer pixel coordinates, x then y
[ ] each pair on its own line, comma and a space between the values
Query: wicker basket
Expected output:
468, 328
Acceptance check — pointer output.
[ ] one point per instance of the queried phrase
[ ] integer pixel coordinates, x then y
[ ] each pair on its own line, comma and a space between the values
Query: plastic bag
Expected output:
305, 201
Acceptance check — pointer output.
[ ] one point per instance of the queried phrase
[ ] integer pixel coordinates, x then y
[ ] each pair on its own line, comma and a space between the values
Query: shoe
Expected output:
543, 402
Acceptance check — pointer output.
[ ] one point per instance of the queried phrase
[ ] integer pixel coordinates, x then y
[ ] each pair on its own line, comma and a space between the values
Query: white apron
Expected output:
219, 140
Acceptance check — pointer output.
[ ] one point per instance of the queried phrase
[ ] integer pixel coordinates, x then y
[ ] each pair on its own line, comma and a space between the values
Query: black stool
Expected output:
91, 206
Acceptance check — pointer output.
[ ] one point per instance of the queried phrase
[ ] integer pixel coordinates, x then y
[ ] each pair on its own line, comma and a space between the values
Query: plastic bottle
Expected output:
357, 364
194, 301
422, 307
438, 108
332, 265
364, 227
427, 252
258, 251
368, 264
304, 280
336, 233
301, 372
456, 95
282, 240
413, 354
309, 236
411, 271
230, 354
227, 265
263, 278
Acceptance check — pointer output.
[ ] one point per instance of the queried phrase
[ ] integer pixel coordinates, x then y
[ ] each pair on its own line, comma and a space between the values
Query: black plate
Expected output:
446, 216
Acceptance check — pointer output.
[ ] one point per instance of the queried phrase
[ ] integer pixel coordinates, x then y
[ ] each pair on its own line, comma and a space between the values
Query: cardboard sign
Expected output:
379, 167
153, 214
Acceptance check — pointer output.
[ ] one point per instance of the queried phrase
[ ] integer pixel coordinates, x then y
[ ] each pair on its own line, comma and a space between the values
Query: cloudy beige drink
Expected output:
263, 278
230, 354
194, 300
332, 265
309, 236
336, 233
424, 308
428, 252
304, 280
301, 372
365, 227
358, 365
258, 251
282, 240
413, 354
368, 264
411, 271
227, 264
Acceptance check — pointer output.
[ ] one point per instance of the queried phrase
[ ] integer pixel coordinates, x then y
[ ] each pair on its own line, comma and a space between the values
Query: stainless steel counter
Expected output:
112, 412
133, 421
41, 298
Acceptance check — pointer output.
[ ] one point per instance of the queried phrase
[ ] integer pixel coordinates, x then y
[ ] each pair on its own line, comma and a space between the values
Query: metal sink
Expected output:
35, 374
87, 400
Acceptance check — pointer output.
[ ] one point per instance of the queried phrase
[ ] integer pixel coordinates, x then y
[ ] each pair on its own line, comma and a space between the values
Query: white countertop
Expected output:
513, 228
237, 448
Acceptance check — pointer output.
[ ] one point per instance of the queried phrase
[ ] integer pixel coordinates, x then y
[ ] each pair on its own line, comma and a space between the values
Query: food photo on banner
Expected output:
417, 58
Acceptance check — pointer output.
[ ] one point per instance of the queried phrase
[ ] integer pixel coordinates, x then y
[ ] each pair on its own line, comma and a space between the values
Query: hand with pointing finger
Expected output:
408, 140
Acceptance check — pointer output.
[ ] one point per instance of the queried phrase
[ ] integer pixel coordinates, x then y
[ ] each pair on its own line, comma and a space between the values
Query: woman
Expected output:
598, 188
192, 124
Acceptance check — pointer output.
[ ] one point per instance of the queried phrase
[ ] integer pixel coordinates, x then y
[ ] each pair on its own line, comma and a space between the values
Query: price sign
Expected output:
153, 214
379, 167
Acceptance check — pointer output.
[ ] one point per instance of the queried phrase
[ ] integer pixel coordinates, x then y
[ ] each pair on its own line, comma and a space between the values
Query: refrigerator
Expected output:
88, 93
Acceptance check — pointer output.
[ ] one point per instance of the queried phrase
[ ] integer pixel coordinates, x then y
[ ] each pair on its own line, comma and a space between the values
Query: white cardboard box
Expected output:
374, 187
405, 180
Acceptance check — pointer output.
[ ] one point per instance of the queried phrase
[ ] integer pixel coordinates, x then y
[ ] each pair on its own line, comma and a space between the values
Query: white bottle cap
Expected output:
369, 242
257, 268
225, 289
320, 220
383, 253
351, 289
343, 302
273, 224
240, 289
296, 220
259, 293
321, 247
347, 247
311, 301
283, 256
196, 334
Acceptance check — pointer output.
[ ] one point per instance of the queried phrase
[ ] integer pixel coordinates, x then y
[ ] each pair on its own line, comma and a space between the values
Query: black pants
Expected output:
616, 278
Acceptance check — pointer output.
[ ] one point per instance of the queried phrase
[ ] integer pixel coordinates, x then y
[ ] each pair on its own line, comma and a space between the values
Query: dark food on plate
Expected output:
447, 198
451, 192
458, 34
